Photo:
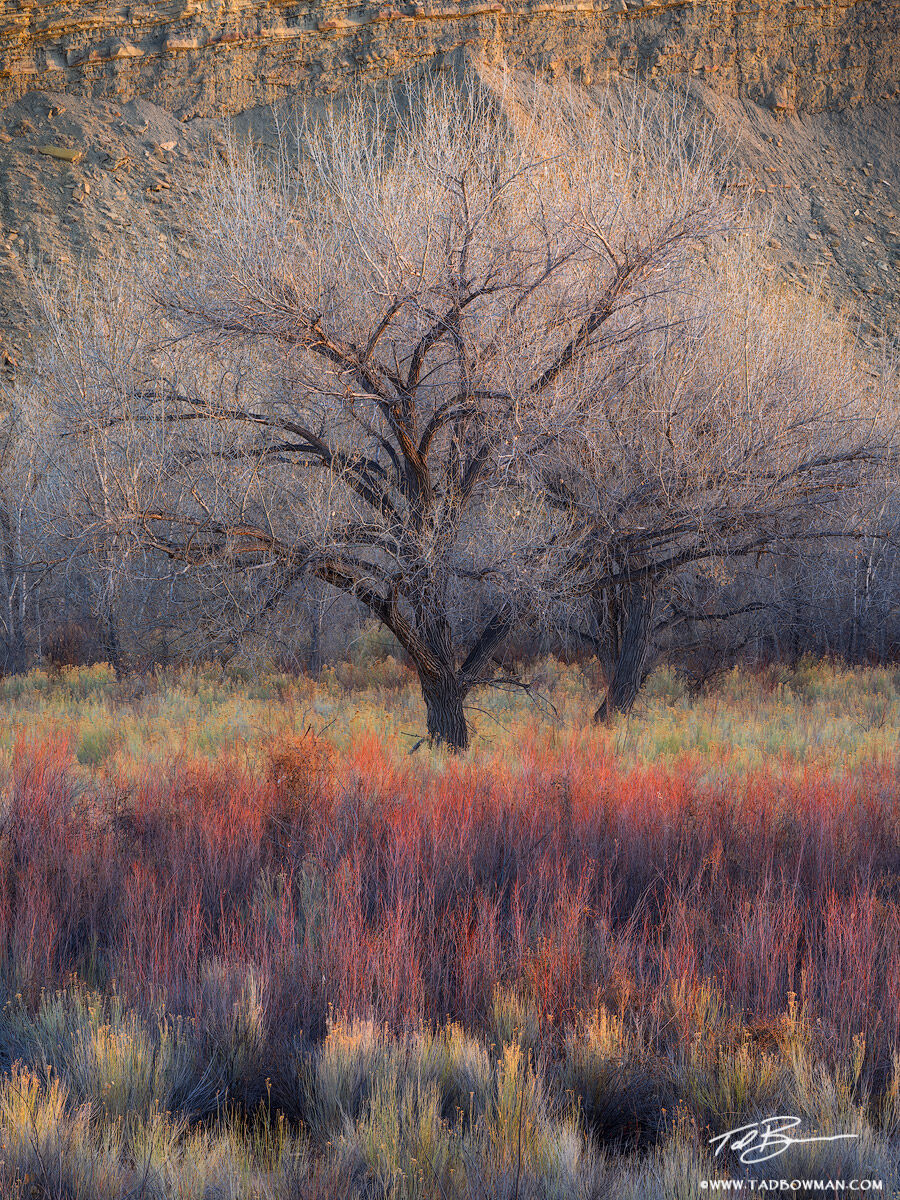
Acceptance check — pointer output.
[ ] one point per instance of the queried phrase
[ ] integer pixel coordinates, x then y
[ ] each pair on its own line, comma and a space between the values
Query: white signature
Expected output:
766, 1139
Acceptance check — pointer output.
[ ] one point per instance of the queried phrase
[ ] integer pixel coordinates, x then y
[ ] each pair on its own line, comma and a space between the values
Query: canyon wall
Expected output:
806, 90
212, 57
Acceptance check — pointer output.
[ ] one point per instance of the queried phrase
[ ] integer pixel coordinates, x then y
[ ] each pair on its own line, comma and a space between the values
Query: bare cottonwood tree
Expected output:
342, 380
745, 424
21, 549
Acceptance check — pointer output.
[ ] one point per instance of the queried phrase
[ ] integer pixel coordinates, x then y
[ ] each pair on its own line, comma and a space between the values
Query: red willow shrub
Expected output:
407, 893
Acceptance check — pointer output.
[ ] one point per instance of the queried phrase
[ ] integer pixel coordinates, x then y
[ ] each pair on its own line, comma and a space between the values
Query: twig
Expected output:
519, 1151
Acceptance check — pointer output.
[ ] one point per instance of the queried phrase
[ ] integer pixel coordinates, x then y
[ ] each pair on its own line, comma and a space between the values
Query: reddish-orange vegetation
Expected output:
405, 892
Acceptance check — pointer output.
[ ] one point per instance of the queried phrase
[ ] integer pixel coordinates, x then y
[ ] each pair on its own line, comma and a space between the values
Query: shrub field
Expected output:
252, 946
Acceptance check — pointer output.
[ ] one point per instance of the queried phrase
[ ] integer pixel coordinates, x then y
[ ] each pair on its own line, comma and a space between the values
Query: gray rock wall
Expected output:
210, 57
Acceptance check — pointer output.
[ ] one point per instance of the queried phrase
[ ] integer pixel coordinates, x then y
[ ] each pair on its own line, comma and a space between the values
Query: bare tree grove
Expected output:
743, 426
481, 358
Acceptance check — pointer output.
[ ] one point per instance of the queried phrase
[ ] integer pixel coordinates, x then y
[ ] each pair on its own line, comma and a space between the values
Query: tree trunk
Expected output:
629, 620
109, 637
314, 657
444, 696
15, 655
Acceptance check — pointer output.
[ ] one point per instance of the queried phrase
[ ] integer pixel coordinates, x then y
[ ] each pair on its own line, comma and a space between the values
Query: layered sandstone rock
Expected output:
112, 111
210, 57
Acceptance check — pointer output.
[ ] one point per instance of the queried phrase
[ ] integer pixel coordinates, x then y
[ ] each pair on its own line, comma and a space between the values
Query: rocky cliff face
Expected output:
109, 111
211, 57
